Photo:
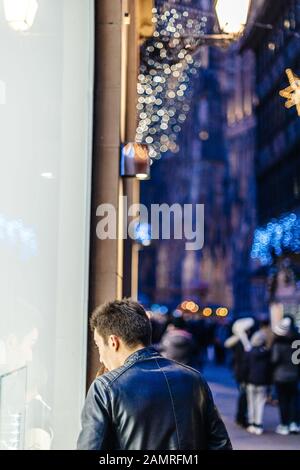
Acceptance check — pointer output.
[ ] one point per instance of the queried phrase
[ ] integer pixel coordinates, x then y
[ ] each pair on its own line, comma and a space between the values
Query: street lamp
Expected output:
232, 15
20, 14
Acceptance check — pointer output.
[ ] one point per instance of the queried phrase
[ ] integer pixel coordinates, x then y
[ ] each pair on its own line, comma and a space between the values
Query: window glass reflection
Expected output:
46, 82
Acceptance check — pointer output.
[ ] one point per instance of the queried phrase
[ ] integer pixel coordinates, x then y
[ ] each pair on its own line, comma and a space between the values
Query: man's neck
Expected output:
128, 352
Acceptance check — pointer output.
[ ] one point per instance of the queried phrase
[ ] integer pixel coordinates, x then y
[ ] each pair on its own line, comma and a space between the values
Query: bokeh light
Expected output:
167, 68
276, 237
207, 312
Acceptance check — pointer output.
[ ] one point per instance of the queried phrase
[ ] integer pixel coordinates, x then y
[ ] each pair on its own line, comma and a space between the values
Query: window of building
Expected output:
46, 84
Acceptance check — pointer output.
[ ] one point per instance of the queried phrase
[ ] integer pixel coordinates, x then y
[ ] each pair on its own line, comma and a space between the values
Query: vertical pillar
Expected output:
113, 263
106, 255
131, 185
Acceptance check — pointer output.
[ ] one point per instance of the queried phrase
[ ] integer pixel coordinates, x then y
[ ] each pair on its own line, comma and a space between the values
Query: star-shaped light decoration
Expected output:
292, 92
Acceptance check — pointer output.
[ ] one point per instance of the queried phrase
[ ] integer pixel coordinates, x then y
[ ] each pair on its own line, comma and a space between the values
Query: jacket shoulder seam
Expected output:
109, 382
185, 366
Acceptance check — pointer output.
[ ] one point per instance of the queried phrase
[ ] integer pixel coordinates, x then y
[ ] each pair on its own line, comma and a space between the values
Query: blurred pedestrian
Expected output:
198, 329
258, 380
159, 324
240, 345
265, 326
220, 336
178, 344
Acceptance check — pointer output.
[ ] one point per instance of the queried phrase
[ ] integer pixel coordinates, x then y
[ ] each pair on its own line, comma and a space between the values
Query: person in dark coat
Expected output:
159, 325
240, 344
198, 329
285, 375
258, 380
178, 344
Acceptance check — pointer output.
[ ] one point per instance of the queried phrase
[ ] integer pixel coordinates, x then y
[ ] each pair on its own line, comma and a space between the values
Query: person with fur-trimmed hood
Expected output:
240, 344
258, 380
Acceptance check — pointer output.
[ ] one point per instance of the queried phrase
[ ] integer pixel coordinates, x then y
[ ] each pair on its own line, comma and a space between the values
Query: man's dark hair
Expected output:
126, 319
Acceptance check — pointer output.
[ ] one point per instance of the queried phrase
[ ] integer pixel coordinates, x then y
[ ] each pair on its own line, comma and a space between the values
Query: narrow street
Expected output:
225, 395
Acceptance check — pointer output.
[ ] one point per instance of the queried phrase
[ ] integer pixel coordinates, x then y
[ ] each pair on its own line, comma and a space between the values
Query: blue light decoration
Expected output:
277, 237
142, 234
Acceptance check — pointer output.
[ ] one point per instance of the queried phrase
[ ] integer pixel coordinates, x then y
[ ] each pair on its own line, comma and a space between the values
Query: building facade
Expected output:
196, 173
215, 167
276, 246
238, 88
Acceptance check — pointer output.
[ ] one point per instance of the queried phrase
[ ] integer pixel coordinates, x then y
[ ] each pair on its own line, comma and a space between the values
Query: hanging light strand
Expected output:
167, 67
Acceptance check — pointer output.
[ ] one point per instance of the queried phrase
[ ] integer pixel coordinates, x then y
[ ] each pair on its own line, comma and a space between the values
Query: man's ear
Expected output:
114, 342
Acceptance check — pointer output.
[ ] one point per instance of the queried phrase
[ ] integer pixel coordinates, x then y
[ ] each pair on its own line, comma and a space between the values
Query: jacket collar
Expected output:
141, 354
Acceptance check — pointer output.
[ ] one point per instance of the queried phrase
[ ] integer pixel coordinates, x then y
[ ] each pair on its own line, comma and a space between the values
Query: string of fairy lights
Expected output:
168, 64
167, 67
275, 238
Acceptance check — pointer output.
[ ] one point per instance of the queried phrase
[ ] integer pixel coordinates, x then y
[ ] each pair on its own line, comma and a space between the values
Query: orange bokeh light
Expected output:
207, 312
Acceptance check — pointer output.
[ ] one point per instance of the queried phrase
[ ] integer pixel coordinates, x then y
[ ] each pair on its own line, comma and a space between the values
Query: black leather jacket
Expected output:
151, 403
